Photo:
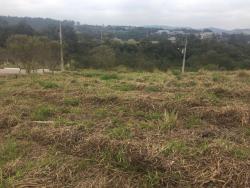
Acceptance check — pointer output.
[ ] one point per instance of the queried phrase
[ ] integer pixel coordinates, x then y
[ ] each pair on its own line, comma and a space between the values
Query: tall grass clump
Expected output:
169, 120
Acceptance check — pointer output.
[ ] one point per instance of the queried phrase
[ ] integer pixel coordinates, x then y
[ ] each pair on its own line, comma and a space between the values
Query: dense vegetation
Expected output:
105, 47
94, 128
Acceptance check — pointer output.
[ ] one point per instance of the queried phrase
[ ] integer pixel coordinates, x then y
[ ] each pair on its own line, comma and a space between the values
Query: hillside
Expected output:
125, 129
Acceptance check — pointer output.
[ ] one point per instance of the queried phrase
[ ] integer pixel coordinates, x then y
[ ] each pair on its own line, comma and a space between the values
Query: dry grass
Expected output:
104, 129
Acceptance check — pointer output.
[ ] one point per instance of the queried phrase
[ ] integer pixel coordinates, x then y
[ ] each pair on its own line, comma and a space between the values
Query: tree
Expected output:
3, 55
103, 57
24, 50
53, 55
43, 52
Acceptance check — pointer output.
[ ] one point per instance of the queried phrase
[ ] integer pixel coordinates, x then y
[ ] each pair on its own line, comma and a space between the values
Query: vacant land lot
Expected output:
119, 129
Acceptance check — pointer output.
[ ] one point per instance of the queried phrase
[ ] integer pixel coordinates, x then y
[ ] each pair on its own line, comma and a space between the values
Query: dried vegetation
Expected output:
104, 129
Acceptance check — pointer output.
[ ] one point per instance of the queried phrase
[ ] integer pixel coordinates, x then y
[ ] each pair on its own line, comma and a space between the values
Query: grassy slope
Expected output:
107, 129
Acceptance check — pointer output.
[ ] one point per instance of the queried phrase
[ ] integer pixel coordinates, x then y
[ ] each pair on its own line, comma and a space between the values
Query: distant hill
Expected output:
38, 24
234, 31
41, 24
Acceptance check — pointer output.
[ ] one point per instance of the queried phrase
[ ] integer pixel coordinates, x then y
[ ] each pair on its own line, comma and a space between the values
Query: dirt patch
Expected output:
7, 121
230, 116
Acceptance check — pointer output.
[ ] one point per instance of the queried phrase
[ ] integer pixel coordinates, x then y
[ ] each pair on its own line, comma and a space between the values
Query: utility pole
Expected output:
184, 56
101, 36
61, 47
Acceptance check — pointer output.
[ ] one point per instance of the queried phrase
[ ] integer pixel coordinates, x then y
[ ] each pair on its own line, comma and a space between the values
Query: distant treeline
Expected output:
106, 47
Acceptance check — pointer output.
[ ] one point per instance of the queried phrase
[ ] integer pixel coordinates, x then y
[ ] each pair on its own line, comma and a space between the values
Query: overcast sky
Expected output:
193, 13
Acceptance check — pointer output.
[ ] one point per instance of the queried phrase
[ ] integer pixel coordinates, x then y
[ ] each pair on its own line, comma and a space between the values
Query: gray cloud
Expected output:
193, 13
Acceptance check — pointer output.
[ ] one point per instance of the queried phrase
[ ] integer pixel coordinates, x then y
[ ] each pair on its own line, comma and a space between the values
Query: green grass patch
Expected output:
218, 77
42, 113
8, 151
153, 89
247, 132
125, 87
71, 101
120, 132
91, 74
193, 121
175, 146
147, 116
2, 82
48, 84
153, 178
109, 77
177, 74
241, 153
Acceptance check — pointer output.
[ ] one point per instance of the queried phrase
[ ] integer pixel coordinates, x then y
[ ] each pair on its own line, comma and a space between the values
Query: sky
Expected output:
226, 14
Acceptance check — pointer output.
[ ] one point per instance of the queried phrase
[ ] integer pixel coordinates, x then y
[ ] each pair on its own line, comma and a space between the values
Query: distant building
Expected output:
155, 42
206, 35
164, 31
172, 39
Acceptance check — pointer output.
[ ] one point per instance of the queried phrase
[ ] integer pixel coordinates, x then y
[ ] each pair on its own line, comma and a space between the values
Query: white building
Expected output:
172, 39
206, 35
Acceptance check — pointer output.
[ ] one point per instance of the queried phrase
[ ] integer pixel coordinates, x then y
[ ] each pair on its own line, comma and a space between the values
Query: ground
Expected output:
125, 129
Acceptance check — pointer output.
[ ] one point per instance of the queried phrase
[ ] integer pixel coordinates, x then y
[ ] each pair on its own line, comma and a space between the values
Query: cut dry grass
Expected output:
107, 129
